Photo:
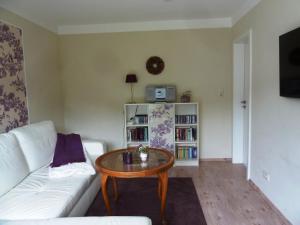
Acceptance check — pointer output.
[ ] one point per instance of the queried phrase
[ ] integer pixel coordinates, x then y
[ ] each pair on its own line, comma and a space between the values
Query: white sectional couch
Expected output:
27, 192
108, 220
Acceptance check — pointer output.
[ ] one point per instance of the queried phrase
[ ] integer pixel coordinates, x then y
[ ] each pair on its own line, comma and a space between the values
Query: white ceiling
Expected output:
58, 14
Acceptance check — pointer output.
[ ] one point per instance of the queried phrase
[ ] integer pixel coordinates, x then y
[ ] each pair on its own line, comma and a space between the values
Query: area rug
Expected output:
138, 197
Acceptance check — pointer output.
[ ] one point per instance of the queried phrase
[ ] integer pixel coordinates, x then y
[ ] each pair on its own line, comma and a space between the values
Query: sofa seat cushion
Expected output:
37, 142
40, 197
13, 166
107, 220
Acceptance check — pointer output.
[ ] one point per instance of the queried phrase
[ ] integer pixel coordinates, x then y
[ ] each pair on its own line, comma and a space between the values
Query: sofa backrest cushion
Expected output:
37, 142
13, 166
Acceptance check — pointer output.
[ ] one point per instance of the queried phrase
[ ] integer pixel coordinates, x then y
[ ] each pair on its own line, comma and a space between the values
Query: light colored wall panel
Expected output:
94, 68
276, 121
44, 93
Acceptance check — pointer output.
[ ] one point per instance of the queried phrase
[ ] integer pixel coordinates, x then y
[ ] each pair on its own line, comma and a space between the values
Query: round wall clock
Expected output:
155, 65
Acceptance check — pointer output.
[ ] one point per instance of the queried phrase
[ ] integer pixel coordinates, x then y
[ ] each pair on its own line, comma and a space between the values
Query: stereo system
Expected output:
160, 93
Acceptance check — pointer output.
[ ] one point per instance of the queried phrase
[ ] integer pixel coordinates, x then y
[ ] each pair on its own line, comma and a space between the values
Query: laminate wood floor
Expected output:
226, 197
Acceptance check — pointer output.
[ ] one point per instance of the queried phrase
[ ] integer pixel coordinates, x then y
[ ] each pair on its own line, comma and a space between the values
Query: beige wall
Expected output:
94, 68
276, 121
43, 80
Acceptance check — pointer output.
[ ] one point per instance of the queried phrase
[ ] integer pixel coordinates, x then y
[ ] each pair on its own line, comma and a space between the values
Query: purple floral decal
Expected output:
162, 126
13, 107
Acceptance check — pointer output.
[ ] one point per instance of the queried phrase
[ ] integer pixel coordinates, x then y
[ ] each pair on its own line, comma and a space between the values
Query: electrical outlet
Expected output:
266, 175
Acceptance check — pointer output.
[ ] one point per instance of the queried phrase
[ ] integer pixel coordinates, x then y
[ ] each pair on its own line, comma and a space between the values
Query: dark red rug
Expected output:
138, 197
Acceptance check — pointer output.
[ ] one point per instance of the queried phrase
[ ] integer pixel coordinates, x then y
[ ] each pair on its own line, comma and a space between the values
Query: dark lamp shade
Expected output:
131, 78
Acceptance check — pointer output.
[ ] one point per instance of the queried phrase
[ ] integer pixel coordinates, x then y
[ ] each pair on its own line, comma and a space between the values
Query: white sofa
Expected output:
107, 220
27, 192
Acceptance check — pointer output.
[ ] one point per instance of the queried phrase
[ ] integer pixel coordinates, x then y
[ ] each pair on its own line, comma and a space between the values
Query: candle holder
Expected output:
127, 157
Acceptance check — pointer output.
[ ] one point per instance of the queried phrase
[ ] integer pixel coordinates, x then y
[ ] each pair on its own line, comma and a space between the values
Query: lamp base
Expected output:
131, 91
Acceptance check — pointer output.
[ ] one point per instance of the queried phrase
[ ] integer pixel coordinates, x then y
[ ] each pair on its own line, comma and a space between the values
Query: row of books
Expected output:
137, 134
185, 134
141, 119
186, 119
186, 152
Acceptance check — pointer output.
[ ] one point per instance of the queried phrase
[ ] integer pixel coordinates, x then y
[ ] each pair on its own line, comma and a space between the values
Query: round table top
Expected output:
111, 163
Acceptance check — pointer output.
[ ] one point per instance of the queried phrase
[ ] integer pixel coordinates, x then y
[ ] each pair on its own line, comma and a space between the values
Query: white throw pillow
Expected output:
13, 166
37, 142
71, 169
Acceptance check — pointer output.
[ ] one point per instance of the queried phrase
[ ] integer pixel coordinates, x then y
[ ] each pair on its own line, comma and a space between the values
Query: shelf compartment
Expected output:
186, 125
185, 134
187, 162
186, 142
186, 152
137, 125
137, 142
137, 134
186, 119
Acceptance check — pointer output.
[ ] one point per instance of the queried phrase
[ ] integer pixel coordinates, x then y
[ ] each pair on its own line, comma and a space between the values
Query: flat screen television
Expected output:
289, 54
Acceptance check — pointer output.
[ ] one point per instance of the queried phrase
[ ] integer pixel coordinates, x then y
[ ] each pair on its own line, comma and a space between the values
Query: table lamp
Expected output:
131, 78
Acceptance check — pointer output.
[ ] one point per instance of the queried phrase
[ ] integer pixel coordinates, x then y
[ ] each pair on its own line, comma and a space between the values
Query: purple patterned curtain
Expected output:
161, 125
13, 107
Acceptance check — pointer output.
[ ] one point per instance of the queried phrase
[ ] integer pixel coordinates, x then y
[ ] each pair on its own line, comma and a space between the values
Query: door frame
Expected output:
237, 157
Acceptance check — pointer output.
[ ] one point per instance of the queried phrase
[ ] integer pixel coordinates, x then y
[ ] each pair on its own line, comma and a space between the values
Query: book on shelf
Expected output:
137, 134
186, 152
185, 134
186, 119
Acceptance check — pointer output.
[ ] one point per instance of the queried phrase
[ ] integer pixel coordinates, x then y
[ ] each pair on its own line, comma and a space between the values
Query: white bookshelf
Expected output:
136, 122
182, 109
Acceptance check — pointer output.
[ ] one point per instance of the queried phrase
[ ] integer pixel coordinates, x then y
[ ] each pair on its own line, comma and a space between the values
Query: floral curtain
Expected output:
161, 125
13, 107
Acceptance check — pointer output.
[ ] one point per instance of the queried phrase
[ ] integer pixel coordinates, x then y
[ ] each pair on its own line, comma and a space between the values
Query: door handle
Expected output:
244, 104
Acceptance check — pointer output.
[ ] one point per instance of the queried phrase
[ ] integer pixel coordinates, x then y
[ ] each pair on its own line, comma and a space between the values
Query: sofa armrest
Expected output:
93, 149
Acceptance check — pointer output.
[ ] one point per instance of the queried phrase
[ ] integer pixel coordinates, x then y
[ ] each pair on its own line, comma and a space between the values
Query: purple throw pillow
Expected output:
68, 149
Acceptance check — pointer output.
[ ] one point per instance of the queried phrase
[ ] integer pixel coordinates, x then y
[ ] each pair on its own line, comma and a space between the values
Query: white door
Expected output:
242, 101
245, 102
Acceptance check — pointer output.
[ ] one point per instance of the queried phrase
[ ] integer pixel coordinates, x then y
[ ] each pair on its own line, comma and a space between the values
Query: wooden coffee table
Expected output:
111, 165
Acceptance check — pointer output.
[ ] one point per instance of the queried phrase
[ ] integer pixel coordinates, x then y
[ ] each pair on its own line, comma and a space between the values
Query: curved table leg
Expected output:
164, 187
159, 187
115, 187
104, 179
